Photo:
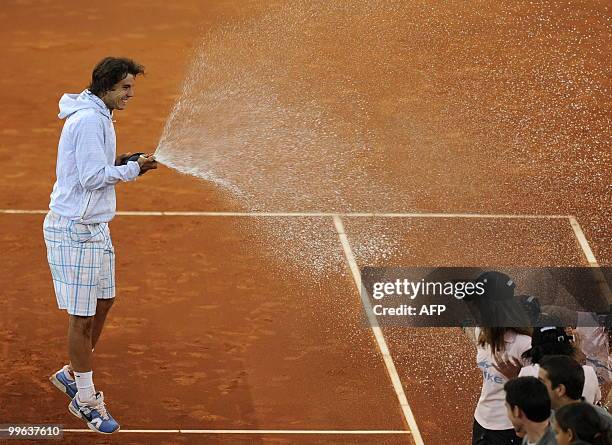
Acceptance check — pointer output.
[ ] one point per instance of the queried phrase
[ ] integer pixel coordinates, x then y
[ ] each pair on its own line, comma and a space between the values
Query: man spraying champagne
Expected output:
79, 247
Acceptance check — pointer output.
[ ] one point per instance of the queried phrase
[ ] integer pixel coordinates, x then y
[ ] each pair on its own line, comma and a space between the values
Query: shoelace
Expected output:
101, 407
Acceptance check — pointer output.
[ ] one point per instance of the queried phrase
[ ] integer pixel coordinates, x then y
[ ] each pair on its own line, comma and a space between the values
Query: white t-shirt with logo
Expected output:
591, 391
491, 408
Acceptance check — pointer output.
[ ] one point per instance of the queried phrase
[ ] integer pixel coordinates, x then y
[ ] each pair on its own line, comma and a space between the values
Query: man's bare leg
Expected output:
79, 342
79, 350
102, 308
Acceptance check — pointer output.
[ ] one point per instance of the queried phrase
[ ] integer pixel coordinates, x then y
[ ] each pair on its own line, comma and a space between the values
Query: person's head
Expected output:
563, 377
579, 421
497, 305
112, 81
527, 402
548, 340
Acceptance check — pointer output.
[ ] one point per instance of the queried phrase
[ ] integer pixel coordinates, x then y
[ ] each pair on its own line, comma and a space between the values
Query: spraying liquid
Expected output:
373, 105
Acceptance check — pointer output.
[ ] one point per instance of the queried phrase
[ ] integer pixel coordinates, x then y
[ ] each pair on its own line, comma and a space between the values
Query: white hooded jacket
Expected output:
86, 173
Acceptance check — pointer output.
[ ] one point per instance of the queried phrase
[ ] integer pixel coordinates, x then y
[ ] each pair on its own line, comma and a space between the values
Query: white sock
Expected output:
85, 386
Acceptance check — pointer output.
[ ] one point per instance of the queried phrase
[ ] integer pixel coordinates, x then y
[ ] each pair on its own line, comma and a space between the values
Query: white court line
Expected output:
590, 256
378, 334
584, 244
314, 214
185, 431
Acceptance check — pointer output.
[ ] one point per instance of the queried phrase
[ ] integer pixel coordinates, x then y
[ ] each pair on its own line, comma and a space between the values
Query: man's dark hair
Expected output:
531, 396
584, 422
111, 70
564, 370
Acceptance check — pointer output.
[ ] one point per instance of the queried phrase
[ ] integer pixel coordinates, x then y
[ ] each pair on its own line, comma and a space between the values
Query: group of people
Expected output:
539, 388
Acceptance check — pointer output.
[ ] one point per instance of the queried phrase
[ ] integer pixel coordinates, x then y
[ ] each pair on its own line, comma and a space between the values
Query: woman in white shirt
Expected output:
491, 423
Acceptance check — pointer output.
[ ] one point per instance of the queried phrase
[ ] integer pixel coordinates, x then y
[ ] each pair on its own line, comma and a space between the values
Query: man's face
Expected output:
552, 393
117, 97
514, 414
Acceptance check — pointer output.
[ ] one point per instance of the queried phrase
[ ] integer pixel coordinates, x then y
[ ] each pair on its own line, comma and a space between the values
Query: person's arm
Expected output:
509, 367
509, 363
94, 172
120, 158
147, 162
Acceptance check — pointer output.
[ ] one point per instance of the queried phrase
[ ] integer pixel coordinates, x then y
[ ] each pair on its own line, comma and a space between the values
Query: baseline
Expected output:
302, 432
314, 214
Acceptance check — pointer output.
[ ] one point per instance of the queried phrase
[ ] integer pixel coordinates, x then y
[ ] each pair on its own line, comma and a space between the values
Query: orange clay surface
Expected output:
210, 330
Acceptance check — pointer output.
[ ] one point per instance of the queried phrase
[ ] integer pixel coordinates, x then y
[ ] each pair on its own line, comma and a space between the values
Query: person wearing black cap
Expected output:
502, 335
549, 340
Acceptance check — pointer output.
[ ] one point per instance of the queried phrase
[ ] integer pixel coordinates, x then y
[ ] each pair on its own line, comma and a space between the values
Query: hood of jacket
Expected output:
71, 103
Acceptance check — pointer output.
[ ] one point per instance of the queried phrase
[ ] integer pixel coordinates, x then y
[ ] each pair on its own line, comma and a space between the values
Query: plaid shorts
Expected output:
82, 262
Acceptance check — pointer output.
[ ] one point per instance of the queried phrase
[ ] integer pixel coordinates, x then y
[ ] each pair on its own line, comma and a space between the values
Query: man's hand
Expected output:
146, 162
120, 158
507, 366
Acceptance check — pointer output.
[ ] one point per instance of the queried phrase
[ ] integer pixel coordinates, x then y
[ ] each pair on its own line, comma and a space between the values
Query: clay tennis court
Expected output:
223, 332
